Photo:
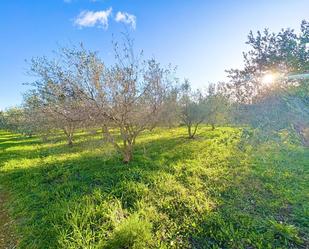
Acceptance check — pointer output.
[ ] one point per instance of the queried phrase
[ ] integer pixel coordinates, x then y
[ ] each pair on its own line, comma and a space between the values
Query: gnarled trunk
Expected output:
190, 132
69, 134
127, 154
128, 150
128, 143
70, 139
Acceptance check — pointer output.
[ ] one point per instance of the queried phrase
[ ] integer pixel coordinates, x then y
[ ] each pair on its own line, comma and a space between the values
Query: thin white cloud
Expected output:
126, 18
93, 18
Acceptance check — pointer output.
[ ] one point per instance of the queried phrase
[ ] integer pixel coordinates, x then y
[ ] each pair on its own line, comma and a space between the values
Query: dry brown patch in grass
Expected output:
7, 236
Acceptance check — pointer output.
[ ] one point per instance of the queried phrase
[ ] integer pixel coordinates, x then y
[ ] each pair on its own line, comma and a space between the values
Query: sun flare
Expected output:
268, 79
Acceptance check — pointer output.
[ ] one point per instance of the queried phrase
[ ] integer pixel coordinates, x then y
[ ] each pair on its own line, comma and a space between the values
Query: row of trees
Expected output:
77, 90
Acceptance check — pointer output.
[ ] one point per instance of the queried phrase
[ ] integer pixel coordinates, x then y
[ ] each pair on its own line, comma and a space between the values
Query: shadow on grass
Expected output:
31, 148
18, 143
43, 195
263, 206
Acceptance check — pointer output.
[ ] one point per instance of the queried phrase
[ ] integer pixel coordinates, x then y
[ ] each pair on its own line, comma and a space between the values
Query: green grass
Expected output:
215, 191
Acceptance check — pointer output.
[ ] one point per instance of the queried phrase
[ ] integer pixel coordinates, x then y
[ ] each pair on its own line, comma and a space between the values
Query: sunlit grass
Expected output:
215, 191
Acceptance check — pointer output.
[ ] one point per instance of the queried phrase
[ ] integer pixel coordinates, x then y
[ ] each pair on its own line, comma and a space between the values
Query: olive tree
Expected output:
282, 102
126, 98
170, 114
281, 54
11, 119
217, 106
40, 122
193, 111
53, 95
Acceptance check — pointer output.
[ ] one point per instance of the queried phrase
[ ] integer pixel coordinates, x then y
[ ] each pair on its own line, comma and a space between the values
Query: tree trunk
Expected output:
44, 138
104, 135
192, 134
195, 129
69, 135
190, 131
127, 152
213, 127
70, 139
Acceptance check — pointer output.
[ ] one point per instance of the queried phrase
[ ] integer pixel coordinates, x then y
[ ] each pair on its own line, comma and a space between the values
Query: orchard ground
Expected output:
215, 191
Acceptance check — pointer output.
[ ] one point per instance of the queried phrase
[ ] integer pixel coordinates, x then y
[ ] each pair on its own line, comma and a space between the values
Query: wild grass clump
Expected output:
133, 232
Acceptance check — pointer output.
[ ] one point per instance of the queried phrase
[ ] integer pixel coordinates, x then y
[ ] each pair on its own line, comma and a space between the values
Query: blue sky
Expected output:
203, 38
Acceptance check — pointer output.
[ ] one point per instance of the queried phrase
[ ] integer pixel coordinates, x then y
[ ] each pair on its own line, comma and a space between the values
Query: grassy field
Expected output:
215, 191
